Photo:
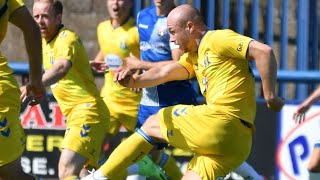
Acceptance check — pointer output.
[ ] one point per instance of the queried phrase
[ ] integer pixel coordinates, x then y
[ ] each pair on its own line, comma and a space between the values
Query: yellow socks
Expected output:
169, 164
127, 153
72, 178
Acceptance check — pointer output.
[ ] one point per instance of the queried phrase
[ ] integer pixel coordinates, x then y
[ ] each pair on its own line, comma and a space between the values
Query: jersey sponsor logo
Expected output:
158, 47
113, 61
144, 26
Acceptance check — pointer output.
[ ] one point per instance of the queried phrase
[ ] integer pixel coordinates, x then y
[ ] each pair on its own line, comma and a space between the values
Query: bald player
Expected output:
219, 132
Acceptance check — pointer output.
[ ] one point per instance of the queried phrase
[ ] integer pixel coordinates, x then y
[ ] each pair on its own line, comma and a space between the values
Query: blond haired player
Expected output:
219, 132
12, 137
68, 73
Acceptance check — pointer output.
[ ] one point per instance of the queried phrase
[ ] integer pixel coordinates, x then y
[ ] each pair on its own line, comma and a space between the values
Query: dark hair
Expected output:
57, 7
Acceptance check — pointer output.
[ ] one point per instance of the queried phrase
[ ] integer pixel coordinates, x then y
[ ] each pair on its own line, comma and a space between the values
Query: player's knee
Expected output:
152, 126
314, 167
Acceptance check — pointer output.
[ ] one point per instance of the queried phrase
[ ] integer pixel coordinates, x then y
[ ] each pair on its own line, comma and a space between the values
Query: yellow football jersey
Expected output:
224, 74
118, 44
6, 9
78, 86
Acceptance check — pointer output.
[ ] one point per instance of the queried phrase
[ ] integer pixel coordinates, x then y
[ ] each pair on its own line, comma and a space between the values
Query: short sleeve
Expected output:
186, 60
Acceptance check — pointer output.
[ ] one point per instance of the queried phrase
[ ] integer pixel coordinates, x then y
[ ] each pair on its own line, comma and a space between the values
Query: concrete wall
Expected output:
82, 17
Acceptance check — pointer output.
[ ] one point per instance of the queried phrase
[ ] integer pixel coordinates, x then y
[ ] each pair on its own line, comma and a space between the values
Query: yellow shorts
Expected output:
220, 142
86, 129
122, 113
12, 137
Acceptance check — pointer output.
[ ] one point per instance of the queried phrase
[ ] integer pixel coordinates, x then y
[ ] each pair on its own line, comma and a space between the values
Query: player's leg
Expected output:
133, 149
80, 148
211, 134
13, 170
246, 171
314, 162
70, 164
191, 175
12, 137
160, 157
167, 163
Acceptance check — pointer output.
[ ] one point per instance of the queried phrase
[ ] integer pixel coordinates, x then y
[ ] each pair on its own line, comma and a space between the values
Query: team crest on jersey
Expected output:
123, 44
162, 31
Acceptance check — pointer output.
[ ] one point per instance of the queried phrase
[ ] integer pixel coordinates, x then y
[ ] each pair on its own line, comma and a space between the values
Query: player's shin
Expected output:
127, 153
169, 164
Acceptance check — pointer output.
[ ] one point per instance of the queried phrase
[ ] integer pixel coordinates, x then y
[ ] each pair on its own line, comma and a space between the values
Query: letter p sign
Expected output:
299, 150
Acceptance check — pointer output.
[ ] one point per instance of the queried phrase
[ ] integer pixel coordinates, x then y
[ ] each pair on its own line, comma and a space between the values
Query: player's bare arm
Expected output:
267, 67
152, 77
98, 63
59, 69
32, 37
299, 114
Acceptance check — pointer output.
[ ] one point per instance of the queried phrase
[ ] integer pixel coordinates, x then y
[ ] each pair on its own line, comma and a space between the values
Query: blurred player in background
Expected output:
118, 37
68, 73
12, 137
156, 51
219, 132
299, 117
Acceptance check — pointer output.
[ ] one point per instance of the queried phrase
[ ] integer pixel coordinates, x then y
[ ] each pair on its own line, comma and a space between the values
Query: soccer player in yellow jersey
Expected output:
118, 37
68, 73
219, 132
12, 137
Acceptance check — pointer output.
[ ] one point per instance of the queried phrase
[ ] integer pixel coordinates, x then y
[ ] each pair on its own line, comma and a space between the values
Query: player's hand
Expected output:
132, 62
99, 67
123, 76
275, 103
36, 90
136, 90
300, 114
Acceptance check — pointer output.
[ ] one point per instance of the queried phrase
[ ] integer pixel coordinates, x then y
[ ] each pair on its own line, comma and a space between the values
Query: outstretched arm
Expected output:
267, 67
59, 69
299, 114
152, 77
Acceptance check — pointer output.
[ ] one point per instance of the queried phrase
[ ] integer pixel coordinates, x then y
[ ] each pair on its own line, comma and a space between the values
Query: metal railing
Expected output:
257, 19
244, 17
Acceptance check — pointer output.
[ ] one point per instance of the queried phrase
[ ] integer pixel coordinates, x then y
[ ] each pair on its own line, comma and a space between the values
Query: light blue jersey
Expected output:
155, 47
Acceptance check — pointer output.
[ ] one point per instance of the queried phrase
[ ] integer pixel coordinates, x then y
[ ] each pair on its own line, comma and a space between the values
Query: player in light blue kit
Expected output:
156, 50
